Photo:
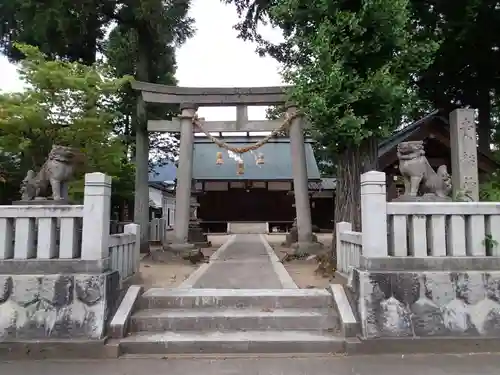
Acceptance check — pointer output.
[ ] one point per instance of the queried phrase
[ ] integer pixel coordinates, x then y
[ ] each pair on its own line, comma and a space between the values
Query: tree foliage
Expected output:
121, 50
464, 71
65, 103
64, 29
142, 44
351, 65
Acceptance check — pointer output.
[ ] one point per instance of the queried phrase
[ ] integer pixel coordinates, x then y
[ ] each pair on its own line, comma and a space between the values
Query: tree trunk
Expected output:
141, 204
351, 163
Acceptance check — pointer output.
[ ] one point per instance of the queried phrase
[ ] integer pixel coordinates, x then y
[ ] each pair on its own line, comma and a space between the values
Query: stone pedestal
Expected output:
196, 236
56, 306
310, 247
424, 298
422, 198
179, 247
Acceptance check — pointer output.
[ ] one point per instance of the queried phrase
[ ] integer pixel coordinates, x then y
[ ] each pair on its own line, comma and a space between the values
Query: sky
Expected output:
214, 57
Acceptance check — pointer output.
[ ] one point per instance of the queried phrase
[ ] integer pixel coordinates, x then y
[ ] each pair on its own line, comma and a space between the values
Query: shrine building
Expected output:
256, 186
252, 187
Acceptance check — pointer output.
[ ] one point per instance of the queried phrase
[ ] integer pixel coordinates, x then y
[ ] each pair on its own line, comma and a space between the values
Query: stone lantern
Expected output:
196, 236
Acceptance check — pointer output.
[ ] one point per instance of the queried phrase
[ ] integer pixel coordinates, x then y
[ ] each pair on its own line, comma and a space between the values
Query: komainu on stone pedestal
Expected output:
56, 172
418, 175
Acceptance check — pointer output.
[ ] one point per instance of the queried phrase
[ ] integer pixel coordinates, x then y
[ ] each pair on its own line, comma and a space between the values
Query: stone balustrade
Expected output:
425, 229
124, 251
425, 269
72, 237
349, 246
60, 269
455, 229
41, 231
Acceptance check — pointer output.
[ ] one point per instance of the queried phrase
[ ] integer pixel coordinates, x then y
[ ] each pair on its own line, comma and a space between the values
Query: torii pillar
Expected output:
184, 179
306, 240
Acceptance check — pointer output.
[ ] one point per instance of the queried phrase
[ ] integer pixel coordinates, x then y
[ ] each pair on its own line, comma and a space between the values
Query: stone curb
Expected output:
434, 345
198, 273
119, 324
57, 349
278, 267
348, 321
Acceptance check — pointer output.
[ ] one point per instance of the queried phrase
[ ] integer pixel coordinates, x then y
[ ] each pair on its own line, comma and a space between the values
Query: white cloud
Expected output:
214, 57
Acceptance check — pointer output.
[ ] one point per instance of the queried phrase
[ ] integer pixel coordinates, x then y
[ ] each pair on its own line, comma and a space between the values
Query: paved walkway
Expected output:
361, 365
245, 262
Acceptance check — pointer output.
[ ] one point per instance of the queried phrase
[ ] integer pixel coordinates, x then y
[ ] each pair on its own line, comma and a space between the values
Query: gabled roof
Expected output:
407, 131
277, 160
439, 122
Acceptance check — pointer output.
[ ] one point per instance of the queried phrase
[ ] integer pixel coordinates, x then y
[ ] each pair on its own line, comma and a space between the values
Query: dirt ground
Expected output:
172, 270
303, 271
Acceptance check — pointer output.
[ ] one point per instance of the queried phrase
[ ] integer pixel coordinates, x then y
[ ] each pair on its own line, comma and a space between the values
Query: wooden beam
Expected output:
174, 126
214, 100
211, 96
194, 91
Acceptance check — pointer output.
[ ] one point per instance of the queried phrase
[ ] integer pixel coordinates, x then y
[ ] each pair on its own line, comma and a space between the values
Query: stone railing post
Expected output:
96, 216
374, 214
136, 230
340, 227
342, 263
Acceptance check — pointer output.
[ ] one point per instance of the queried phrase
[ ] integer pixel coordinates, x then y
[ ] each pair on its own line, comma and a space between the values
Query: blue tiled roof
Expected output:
277, 160
163, 173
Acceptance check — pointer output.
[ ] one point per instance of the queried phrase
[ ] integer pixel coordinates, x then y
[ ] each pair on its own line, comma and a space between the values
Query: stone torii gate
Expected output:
189, 99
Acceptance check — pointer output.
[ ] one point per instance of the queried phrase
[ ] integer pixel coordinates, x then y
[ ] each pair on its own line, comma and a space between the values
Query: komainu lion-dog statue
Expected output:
56, 172
418, 175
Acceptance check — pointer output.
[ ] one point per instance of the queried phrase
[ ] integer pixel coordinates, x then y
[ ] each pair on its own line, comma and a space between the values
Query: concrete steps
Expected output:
227, 319
231, 342
237, 298
212, 321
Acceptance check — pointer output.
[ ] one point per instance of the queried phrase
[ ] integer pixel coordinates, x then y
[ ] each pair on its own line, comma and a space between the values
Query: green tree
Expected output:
64, 103
351, 64
121, 51
64, 29
465, 70
153, 28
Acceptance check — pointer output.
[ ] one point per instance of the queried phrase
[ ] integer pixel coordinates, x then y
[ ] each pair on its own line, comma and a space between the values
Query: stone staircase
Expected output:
213, 321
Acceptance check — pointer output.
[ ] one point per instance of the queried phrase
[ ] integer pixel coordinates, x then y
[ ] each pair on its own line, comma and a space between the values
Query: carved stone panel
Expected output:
56, 306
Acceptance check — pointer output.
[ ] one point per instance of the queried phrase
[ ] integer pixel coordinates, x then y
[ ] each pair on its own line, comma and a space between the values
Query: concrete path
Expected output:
360, 365
246, 261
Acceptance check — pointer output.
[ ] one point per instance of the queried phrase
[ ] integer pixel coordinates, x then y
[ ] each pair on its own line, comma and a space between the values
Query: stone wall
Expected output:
56, 306
428, 303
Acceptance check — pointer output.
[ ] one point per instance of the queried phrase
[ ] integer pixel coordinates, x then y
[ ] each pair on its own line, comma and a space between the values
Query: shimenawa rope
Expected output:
255, 146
